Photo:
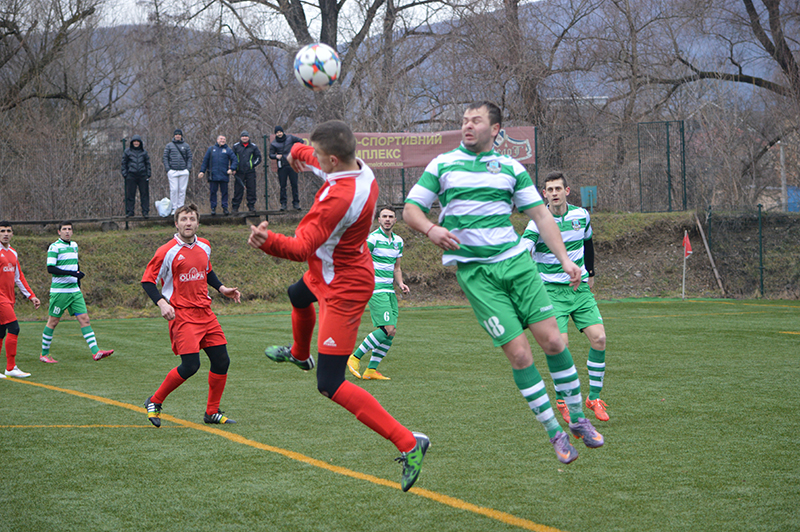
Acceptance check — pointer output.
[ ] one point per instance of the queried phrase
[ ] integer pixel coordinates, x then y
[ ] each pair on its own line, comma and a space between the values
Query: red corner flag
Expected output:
687, 246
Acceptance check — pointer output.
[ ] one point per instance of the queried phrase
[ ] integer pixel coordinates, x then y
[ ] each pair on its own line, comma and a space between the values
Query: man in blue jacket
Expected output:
221, 163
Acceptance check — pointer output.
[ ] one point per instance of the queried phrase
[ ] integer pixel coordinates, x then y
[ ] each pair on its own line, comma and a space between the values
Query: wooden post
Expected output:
710, 258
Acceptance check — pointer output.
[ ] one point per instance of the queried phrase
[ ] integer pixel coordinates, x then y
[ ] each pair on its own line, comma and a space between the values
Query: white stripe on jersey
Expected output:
363, 180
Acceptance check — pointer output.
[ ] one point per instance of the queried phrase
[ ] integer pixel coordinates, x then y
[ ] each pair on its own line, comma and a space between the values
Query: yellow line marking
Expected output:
432, 495
788, 332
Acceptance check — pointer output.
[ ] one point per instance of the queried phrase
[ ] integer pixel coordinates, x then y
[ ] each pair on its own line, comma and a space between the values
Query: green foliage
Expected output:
686, 447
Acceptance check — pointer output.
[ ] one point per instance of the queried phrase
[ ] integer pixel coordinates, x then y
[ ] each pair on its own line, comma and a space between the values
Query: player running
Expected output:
183, 265
66, 295
477, 189
386, 249
340, 278
576, 233
11, 275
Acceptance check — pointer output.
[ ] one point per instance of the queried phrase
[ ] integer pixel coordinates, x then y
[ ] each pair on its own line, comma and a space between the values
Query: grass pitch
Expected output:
698, 439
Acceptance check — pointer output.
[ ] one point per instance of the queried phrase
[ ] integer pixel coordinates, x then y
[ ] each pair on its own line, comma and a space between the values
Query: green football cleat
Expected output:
412, 461
283, 353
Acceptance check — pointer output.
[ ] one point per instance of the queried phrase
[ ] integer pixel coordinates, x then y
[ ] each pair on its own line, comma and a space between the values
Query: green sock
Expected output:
88, 335
532, 388
380, 351
565, 379
47, 339
597, 371
373, 339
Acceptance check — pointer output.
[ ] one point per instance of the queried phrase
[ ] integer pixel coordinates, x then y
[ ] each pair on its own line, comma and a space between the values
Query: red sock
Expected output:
303, 321
11, 351
216, 385
172, 381
369, 411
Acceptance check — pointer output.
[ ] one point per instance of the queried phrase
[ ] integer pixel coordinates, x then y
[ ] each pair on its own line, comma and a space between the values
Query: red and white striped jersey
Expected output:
11, 275
332, 236
182, 270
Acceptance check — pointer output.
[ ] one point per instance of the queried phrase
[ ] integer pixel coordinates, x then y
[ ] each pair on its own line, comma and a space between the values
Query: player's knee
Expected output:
188, 368
390, 330
327, 385
599, 343
299, 295
553, 344
12, 328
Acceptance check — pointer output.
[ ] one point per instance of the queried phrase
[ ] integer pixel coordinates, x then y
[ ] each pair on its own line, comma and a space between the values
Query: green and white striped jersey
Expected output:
477, 193
385, 252
575, 227
63, 255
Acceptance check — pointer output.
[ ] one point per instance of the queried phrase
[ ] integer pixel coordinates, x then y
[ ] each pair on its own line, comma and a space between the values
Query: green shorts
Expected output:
72, 302
579, 304
383, 309
506, 296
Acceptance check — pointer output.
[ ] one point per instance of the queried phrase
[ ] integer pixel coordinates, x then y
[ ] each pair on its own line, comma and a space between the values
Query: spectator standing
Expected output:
136, 171
178, 163
220, 162
279, 149
248, 157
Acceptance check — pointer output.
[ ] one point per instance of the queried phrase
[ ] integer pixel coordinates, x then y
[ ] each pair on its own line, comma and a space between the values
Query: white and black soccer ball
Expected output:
317, 66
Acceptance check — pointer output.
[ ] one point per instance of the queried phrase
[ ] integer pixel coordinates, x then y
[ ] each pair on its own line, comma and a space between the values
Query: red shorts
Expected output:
195, 329
7, 314
338, 325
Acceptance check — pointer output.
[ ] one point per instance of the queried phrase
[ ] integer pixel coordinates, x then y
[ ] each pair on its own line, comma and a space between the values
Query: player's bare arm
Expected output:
167, 312
258, 235
437, 234
232, 293
552, 237
398, 277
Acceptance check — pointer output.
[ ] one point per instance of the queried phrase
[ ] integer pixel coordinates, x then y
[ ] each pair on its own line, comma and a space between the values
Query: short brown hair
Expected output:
495, 114
62, 224
186, 208
385, 207
553, 176
335, 138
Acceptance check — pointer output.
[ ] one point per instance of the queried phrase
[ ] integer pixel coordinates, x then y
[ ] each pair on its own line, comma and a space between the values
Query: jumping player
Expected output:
65, 293
477, 189
183, 266
11, 275
576, 232
340, 277
386, 249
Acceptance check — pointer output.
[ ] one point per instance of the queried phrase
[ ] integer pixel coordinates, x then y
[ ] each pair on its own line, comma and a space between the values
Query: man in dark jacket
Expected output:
136, 171
178, 164
220, 161
278, 150
248, 157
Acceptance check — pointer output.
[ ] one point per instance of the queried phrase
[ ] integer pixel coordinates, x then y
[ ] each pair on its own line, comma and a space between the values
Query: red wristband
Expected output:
429, 229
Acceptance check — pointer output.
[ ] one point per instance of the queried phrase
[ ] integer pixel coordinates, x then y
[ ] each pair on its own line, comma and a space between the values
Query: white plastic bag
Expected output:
164, 207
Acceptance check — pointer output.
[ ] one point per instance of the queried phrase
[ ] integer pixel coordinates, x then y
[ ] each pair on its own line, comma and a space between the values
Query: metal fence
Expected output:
757, 252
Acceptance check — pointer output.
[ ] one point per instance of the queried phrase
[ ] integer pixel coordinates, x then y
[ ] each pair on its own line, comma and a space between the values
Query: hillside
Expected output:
638, 255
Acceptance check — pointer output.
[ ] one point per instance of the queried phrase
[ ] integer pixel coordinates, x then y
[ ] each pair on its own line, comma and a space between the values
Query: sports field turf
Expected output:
703, 399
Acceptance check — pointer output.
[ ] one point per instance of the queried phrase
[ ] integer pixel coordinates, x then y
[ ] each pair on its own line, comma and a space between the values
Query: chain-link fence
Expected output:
756, 252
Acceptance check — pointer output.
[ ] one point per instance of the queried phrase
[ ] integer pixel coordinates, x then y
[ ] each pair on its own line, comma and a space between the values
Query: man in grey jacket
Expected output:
178, 163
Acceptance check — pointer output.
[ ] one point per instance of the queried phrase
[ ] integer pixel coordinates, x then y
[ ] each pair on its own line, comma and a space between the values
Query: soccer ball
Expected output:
317, 66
